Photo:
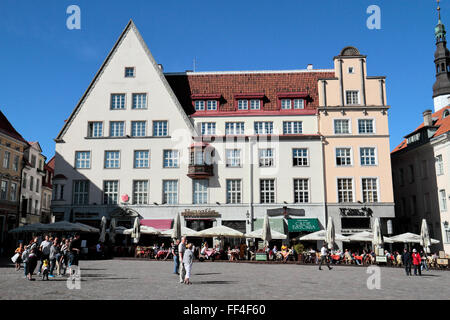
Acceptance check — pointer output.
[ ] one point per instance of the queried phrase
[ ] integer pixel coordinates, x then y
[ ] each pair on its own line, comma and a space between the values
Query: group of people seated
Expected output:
153, 252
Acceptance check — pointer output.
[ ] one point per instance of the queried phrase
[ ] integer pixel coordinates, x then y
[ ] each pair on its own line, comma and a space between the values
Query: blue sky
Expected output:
45, 68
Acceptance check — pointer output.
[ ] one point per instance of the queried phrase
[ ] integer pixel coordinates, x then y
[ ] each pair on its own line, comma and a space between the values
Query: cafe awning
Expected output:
276, 224
159, 224
303, 225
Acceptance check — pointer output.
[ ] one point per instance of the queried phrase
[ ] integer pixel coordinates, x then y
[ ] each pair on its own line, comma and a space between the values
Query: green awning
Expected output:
300, 225
275, 224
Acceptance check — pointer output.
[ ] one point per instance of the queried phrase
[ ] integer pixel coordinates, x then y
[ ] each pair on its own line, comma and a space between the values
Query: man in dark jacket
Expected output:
406, 260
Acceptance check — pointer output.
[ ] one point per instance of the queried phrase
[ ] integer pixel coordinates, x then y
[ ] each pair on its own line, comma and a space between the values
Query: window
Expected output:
36, 206
342, 126
369, 189
233, 157
170, 191
439, 165
301, 190
367, 156
138, 128
234, 128
285, 103
266, 158
31, 183
82, 159
365, 126
411, 173
299, 104
424, 169
171, 159
208, 128
16, 163
141, 159
111, 192
263, 127
4, 190
139, 101
351, 70
413, 202
6, 159
117, 129
13, 192
37, 185
255, 104
61, 192
352, 97
140, 192
300, 157
200, 191
242, 104
95, 129
345, 190
267, 190
343, 157
33, 161
80, 192
112, 159
443, 200
117, 101
292, 127
211, 105
129, 72
234, 191
24, 181
199, 105
160, 128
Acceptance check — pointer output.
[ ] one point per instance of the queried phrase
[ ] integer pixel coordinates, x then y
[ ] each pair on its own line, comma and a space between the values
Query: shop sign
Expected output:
350, 212
200, 213
299, 225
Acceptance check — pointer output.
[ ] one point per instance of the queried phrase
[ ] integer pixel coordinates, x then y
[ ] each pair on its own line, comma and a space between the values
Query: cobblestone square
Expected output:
143, 279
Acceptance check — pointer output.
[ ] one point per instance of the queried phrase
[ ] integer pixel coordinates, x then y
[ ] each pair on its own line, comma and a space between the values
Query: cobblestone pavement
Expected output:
141, 279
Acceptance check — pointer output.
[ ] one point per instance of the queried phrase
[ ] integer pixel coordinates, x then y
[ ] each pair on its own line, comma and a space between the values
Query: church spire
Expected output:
439, 31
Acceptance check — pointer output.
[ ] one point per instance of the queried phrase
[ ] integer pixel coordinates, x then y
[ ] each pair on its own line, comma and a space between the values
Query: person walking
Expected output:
74, 252
44, 249
181, 250
32, 262
25, 254
176, 257
324, 257
424, 257
54, 258
406, 260
19, 251
417, 261
188, 260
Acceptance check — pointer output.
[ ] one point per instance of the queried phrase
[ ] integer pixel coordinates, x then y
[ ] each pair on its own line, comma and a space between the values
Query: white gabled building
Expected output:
217, 147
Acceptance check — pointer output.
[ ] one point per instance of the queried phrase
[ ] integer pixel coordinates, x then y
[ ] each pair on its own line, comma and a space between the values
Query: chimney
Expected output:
161, 67
427, 120
309, 67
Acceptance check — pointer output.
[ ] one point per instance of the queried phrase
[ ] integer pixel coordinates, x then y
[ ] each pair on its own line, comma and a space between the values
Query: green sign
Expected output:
261, 257
299, 225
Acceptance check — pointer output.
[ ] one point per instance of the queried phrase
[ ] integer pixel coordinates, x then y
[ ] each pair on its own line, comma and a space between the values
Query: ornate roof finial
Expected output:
439, 10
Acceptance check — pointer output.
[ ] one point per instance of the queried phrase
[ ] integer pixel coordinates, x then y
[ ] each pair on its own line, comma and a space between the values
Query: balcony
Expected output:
200, 171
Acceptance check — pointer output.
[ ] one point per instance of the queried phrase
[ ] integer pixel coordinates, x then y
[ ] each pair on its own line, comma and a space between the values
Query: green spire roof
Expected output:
439, 31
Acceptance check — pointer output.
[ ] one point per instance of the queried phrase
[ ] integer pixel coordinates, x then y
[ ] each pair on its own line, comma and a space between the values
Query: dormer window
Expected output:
289, 104
249, 101
129, 72
206, 102
242, 104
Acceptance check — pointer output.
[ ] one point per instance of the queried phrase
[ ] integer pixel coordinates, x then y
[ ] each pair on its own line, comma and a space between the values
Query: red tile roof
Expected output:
438, 121
232, 84
51, 163
7, 128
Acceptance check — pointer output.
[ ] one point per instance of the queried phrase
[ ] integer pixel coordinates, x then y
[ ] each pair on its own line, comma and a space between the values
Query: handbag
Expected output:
15, 257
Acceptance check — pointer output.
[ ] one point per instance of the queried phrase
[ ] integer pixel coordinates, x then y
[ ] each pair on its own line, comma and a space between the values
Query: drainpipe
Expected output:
363, 82
251, 209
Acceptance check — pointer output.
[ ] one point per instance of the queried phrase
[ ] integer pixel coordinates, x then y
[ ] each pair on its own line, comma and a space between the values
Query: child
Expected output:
45, 270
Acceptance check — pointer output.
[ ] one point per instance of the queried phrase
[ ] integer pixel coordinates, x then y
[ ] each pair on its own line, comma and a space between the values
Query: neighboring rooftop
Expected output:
7, 128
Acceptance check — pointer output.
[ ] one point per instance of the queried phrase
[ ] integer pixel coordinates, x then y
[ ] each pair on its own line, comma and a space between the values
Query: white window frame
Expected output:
170, 194
290, 126
13, 191
349, 126
158, 129
299, 192
335, 157
242, 104
300, 157
200, 196
78, 195
286, 104
171, 159
85, 160
140, 192
113, 101
130, 68
373, 125
109, 162
377, 185
208, 128
4, 189
6, 159
139, 128
140, 159
233, 194
375, 156
442, 200
255, 104
211, 105
266, 160
234, 128
199, 105
113, 193
139, 101
266, 193
439, 165
265, 126
353, 189
233, 158
93, 130
114, 127
295, 104
358, 98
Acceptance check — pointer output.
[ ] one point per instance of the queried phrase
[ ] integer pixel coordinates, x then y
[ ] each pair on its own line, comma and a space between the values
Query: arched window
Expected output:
437, 68
446, 114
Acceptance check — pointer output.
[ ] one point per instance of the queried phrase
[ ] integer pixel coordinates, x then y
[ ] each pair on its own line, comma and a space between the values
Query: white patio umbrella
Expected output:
120, 230
266, 231
184, 232
103, 230
321, 236
220, 231
112, 230
377, 239
35, 227
136, 233
60, 226
425, 240
366, 236
409, 237
330, 236
176, 231
259, 234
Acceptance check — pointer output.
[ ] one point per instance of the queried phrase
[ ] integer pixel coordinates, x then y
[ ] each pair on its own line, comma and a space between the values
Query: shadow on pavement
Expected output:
214, 282
205, 274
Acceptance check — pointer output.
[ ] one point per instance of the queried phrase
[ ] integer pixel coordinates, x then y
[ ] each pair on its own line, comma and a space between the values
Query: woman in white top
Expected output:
188, 259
